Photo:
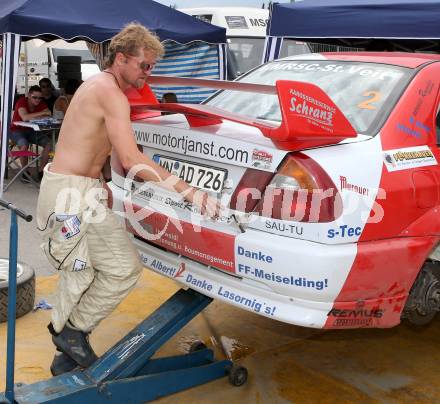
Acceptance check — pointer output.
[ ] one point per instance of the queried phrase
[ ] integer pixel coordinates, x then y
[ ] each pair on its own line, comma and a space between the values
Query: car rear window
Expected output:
364, 92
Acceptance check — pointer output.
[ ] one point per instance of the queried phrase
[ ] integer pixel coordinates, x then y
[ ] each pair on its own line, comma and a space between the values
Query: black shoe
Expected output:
25, 177
75, 344
62, 363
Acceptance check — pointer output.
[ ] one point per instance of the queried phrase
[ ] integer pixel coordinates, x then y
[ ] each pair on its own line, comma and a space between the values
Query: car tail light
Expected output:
300, 191
249, 190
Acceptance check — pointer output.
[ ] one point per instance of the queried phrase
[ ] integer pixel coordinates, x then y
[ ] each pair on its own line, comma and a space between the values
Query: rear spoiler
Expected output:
309, 117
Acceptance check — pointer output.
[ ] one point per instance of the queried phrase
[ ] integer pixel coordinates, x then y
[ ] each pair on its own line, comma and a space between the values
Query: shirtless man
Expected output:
98, 264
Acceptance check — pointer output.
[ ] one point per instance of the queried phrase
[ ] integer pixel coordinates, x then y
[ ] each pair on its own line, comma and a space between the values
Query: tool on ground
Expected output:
126, 372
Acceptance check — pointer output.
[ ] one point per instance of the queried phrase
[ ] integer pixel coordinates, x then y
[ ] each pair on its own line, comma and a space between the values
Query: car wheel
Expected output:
420, 319
25, 289
424, 298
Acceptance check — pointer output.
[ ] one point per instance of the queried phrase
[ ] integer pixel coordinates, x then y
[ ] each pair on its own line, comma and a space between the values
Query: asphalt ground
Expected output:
286, 364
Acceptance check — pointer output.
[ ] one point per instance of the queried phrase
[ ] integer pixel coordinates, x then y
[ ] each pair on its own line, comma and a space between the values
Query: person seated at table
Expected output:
27, 108
48, 90
63, 101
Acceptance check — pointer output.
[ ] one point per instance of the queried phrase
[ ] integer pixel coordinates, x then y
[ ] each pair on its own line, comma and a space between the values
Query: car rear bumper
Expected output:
301, 284
233, 289
252, 297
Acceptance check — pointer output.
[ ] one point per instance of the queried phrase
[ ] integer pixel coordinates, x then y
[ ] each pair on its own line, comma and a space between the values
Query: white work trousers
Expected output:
98, 265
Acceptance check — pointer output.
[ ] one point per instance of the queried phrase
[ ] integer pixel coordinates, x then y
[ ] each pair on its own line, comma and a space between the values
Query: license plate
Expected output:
196, 175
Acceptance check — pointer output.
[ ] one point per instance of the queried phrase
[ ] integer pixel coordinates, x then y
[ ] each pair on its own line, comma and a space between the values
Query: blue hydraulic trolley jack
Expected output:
125, 373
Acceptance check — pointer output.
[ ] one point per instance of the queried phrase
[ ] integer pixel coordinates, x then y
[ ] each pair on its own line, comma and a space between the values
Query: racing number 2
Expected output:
375, 97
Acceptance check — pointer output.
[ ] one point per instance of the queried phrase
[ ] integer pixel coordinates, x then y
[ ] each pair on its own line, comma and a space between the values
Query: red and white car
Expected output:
329, 165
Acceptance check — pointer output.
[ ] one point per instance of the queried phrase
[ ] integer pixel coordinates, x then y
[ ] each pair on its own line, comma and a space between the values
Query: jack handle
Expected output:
19, 212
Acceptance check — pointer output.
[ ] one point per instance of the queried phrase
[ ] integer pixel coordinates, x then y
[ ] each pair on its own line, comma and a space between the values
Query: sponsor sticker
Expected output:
313, 109
409, 157
358, 317
249, 302
198, 282
282, 227
276, 277
235, 151
255, 255
414, 128
261, 159
423, 93
159, 266
148, 194
344, 231
344, 184
202, 284
362, 70
352, 322
70, 227
79, 265
62, 218
359, 312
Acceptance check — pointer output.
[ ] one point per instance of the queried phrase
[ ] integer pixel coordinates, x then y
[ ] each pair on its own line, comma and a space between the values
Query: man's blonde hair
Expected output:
133, 38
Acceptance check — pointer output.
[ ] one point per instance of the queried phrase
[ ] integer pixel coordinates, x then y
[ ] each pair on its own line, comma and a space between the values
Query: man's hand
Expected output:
209, 206
148, 170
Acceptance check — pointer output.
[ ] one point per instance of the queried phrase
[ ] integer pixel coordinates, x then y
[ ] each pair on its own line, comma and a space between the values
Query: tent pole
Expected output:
26, 68
11, 50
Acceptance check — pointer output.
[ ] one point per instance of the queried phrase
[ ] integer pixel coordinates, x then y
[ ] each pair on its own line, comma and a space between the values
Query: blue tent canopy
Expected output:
407, 24
99, 20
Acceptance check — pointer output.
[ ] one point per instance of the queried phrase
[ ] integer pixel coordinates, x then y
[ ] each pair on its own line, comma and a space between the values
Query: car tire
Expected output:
418, 319
25, 292
423, 301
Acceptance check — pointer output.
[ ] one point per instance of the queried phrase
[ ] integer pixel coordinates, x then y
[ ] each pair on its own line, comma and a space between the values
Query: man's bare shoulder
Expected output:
101, 85
106, 91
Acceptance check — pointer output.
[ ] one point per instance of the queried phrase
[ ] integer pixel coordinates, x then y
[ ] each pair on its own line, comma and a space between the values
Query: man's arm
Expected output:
121, 136
26, 116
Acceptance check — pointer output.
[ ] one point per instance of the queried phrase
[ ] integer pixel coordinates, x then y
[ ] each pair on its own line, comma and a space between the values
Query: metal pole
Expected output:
26, 68
12, 290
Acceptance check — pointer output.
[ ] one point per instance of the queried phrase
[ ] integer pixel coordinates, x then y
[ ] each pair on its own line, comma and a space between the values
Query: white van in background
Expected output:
246, 33
39, 59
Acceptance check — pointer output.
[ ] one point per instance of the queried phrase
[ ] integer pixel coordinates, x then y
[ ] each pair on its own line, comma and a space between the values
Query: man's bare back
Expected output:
83, 144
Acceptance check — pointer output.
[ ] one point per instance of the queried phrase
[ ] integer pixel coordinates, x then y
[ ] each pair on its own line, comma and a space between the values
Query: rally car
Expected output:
328, 167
